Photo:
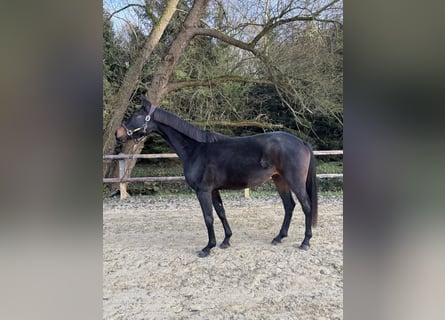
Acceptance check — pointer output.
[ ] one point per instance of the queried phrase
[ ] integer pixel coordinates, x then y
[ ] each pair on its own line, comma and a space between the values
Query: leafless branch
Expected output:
203, 83
273, 23
223, 37
125, 8
248, 123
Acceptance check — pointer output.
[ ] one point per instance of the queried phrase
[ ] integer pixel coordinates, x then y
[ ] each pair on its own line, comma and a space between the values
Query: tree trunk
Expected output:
131, 79
159, 85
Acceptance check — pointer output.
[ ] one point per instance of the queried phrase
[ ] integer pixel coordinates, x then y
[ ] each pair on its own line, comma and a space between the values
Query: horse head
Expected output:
139, 124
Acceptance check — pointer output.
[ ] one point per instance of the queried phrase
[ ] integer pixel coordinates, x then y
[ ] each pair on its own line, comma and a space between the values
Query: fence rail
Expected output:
139, 156
123, 160
174, 155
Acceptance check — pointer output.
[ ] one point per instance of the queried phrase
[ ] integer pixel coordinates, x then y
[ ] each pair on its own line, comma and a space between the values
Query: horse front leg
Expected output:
205, 200
219, 208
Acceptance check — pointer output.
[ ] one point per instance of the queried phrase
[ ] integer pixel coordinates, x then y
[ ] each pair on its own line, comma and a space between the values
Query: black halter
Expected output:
144, 127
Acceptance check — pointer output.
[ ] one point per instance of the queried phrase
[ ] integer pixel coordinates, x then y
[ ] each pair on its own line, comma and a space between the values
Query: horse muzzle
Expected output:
121, 134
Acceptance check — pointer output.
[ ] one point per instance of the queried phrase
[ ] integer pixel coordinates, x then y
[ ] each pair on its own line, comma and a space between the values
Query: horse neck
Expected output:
181, 144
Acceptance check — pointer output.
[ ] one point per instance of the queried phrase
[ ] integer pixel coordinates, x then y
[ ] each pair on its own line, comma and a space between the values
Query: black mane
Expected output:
186, 128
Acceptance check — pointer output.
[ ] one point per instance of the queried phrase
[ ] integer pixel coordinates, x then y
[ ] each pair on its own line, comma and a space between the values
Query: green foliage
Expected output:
323, 131
115, 62
329, 166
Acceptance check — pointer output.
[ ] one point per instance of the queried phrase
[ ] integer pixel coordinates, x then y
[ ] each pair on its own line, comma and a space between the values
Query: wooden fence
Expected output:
124, 159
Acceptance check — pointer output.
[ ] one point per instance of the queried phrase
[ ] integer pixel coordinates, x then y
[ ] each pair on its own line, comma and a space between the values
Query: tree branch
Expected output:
209, 82
124, 8
223, 37
248, 123
273, 23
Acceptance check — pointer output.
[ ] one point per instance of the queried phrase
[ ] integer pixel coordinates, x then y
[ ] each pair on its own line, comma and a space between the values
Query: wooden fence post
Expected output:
123, 163
247, 193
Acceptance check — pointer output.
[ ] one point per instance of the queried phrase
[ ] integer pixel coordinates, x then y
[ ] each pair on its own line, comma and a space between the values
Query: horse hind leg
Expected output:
298, 186
219, 208
304, 200
289, 205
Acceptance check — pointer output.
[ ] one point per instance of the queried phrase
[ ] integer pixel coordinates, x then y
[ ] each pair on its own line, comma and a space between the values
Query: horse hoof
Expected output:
203, 254
276, 241
224, 245
304, 246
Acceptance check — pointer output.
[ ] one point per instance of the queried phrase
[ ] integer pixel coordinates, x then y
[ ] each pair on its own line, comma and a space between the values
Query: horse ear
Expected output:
146, 104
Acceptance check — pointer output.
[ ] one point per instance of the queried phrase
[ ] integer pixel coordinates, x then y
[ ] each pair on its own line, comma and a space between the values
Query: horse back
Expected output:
237, 163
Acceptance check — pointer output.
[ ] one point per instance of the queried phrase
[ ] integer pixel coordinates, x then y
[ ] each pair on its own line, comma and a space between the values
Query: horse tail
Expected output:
311, 187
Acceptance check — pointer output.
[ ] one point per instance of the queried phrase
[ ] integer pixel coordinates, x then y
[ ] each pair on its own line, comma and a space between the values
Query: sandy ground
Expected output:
151, 269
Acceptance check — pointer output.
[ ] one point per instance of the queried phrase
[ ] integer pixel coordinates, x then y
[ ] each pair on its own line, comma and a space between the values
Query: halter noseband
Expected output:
144, 127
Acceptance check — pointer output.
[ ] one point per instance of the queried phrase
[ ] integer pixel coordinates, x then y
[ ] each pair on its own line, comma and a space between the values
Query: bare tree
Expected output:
260, 26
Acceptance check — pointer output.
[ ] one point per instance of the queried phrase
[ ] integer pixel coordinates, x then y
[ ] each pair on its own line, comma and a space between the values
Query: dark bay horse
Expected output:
213, 162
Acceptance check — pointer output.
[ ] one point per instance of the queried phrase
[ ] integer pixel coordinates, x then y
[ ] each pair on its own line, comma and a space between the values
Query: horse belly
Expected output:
246, 178
241, 167
260, 177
